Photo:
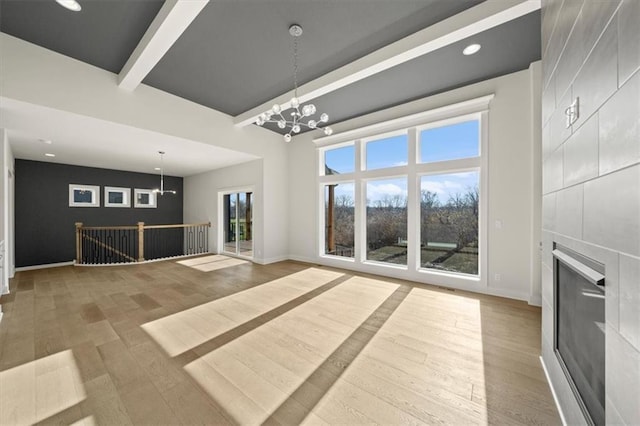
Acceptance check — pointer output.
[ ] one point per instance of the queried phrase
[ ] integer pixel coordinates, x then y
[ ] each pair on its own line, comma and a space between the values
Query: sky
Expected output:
437, 144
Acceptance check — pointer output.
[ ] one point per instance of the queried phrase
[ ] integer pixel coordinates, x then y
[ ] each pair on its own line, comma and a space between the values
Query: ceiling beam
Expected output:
475, 20
173, 18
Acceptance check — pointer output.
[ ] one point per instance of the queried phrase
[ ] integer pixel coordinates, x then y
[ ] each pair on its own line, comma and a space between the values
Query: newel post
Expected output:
140, 241
78, 243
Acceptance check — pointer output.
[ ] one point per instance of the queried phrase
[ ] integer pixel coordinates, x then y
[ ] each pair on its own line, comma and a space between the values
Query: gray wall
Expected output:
591, 178
45, 224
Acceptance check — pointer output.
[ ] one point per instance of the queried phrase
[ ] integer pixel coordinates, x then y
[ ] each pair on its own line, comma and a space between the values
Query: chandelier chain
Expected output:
295, 67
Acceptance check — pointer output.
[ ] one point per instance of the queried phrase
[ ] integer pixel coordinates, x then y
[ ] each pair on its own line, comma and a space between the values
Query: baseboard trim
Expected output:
45, 266
271, 260
553, 391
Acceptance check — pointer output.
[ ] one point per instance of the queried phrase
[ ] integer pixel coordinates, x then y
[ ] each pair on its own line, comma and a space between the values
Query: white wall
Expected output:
512, 178
6, 211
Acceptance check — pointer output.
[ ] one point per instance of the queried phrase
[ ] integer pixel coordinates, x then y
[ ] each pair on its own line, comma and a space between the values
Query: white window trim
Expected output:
153, 199
126, 196
474, 109
95, 195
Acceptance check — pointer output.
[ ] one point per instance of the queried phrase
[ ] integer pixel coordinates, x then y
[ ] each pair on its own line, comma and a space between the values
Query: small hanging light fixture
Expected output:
162, 191
299, 113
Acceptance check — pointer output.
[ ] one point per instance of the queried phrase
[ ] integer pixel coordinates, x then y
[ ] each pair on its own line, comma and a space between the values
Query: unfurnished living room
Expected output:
319, 211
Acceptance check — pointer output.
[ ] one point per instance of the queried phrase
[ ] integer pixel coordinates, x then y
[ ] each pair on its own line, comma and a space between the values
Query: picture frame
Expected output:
144, 198
84, 195
117, 197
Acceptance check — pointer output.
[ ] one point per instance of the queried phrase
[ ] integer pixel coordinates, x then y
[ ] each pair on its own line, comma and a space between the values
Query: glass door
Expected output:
238, 221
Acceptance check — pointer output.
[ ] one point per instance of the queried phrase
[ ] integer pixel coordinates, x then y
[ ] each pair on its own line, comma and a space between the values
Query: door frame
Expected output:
221, 224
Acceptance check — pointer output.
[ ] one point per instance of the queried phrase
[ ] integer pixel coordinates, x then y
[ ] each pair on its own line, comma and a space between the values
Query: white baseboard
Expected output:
553, 391
271, 260
302, 259
49, 265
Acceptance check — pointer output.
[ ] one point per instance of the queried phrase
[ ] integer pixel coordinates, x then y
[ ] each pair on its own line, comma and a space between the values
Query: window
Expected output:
117, 197
449, 207
339, 219
387, 221
450, 142
409, 198
84, 195
340, 160
144, 198
388, 152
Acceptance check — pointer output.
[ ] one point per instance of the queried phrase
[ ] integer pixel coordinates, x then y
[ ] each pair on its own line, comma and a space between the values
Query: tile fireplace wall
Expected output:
591, 179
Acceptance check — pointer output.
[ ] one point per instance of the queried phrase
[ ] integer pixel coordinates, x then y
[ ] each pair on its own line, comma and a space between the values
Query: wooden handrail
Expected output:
185, 225
180, 225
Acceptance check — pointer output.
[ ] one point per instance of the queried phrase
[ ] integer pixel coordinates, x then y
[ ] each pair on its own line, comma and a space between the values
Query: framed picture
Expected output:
84, 195
117, 197
144, 198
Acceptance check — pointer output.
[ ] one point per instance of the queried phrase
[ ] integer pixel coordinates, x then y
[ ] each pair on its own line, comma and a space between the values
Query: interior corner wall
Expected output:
511, 179
267, 177
6, 212
535, 292
45, 223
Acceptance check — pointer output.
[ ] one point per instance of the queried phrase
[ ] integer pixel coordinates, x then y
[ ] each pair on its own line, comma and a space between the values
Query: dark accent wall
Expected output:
45, 224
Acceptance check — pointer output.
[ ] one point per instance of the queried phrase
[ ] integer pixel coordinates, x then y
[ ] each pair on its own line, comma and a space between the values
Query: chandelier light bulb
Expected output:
276, 109
282, 124
324, 117
295, 128
295, 103
328, 131
287, 137
312, 124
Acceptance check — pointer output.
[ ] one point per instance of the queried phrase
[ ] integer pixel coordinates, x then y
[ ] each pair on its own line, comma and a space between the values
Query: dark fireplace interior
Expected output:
580, 328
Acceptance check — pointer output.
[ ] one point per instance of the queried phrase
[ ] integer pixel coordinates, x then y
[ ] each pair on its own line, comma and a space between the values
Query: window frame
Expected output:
94, 190
474, 109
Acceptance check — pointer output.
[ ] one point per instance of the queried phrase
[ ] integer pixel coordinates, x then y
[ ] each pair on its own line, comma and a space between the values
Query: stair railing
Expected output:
97, 245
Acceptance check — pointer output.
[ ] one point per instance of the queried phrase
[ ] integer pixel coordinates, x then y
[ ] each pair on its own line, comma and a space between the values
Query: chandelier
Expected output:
162, 191
301, 116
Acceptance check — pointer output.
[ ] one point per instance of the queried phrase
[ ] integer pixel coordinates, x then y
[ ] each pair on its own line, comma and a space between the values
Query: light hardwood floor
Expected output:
214, 340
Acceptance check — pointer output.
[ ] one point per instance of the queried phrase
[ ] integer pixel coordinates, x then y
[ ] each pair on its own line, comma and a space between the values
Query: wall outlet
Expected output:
497, 277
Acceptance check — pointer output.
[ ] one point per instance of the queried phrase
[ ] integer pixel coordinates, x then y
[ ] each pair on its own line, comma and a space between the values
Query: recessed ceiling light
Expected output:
70, 4
47, 141
156, 168
49, 155
471, 49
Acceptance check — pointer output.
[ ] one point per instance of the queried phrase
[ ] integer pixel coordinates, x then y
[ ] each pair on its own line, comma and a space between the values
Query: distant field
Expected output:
465, 261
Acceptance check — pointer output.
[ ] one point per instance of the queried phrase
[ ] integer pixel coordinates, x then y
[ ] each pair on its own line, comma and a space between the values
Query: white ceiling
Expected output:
86, 141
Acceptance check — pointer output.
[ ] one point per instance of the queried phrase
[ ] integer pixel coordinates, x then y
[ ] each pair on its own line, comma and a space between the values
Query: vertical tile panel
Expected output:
612, 211
628, 39
581, 154
620, 127
629, 285
623, 377
569, 211
598, 78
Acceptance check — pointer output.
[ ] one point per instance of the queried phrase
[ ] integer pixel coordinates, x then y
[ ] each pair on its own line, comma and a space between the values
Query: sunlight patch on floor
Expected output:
402, 366
187, 329
212, 263
252, 385
34, 391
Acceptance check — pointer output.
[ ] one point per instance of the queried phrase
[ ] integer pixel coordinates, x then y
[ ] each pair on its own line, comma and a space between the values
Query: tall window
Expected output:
339, 202
449, 222
411, 199
387, 221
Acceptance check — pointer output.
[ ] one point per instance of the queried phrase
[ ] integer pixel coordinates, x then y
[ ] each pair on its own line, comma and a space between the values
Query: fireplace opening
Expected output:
579, 337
